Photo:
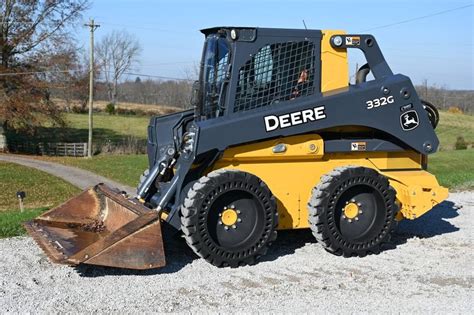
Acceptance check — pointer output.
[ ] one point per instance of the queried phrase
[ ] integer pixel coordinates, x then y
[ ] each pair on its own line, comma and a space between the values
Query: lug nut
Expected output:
226, 227
350, 221
232, 206
343, 216
234, 227
356, 218
359, 204
220, 214
360, 212
238, 211
220, 222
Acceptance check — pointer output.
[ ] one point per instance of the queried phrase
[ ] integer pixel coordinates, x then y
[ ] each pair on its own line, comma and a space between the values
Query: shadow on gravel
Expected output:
177, 252
287, 242
430, 224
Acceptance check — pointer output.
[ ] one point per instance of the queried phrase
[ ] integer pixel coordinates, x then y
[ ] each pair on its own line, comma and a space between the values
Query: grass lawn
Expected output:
106, 128
452, 126
454, 169
112, 126
43, 191
11, 220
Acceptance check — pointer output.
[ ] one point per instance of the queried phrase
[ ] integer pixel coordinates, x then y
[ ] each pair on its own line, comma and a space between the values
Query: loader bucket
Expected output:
100, 227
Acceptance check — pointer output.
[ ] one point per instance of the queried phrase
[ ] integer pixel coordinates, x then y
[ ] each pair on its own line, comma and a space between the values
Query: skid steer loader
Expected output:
278, 139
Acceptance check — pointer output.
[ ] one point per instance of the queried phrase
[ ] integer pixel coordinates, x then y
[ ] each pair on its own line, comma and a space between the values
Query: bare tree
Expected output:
117, 53
71, 86
31, 33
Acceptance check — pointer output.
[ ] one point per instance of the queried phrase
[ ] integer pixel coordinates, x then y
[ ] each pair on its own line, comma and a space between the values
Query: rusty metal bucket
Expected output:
100, 227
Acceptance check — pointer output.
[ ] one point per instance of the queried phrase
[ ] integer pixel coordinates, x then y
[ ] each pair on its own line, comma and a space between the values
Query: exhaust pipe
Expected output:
361, 75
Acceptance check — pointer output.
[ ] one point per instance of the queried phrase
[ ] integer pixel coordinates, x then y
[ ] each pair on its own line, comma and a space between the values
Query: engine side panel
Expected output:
293, 173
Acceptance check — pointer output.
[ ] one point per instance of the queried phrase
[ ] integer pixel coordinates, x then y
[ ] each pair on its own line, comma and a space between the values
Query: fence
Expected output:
128, 145
63, 149
55, 149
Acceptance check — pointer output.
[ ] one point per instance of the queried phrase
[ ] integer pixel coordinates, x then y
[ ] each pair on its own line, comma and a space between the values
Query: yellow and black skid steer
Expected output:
277, 139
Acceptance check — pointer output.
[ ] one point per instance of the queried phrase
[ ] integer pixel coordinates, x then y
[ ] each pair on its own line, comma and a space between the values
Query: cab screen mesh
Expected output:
276, 73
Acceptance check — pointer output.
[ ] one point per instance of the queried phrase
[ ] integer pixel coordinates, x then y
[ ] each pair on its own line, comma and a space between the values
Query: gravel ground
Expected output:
429, 271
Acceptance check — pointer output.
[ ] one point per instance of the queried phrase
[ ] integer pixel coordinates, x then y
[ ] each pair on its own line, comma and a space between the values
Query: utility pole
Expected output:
92, 27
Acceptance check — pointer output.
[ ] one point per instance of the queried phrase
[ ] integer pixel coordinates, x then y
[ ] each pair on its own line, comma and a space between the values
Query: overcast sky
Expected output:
438, 48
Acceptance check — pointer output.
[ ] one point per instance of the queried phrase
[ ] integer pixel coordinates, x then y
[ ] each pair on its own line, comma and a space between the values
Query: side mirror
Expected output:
195, 94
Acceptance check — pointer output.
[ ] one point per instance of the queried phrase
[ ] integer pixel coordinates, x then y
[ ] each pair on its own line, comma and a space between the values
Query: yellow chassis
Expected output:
293, 173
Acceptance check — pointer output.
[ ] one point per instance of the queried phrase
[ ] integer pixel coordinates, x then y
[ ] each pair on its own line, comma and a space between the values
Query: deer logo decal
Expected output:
409, 120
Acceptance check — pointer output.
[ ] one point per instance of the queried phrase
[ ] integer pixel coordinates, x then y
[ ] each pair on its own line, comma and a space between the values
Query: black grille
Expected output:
276, 73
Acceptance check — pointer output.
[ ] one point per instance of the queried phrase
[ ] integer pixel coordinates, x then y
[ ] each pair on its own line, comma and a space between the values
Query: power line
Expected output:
156, 76
170, 63
37, 72
78, 70
418, 18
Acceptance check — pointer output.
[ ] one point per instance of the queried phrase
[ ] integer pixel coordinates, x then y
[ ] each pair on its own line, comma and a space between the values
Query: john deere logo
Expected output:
409, 120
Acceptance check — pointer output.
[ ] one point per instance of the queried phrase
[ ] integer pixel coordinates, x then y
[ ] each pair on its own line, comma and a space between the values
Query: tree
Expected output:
117, 53
31, 33
70, 86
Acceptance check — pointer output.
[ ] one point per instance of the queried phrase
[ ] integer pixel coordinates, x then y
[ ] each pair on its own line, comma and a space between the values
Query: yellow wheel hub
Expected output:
351, 210
229, 217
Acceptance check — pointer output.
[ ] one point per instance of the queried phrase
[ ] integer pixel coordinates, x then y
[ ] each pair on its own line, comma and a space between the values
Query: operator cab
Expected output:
264, 72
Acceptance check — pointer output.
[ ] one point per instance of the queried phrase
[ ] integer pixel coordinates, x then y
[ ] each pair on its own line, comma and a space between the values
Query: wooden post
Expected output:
92, 27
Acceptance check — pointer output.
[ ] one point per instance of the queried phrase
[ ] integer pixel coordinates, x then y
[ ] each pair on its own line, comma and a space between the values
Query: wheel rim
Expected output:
360, 213
248, 225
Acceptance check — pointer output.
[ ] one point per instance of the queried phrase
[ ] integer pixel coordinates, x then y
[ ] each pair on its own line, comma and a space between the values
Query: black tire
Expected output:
432, 112
241, 243
375, 211
142, 178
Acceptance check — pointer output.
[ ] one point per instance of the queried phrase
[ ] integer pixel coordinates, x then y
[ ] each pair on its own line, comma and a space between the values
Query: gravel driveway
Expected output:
429, 271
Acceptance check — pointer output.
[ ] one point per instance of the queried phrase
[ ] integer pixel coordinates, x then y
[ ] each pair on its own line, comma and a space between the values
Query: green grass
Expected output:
125, 169
121, 126
42, 189
11, 221
453, 169
106, 128
452, 126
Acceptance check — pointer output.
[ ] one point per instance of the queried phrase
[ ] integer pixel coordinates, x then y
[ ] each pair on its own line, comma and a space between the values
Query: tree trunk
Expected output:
114, 92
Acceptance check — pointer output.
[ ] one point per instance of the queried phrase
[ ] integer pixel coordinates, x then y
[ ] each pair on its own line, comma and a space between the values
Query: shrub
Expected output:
79, 109
455, 110
460, 144
110, 108
128, 145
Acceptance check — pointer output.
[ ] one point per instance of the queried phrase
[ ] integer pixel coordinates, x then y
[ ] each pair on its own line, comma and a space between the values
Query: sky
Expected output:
437, 48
